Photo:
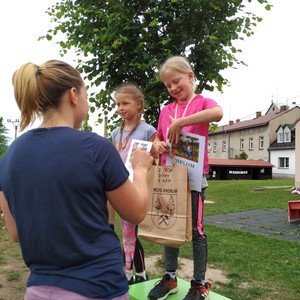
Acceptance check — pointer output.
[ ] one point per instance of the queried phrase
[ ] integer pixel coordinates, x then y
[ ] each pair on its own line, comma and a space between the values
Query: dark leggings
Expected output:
199, 241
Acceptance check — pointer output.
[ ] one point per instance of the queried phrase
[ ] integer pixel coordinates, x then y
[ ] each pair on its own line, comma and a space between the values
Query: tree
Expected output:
213, 127
125, 40
4, 139
85, 125
242, 155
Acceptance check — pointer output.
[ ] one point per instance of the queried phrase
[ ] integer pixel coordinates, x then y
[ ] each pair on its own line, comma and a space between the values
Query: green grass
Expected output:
259, 267
271, 264
13, 275
239, 195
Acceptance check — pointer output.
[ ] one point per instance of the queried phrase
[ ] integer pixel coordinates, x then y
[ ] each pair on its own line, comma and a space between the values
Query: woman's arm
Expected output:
131, 199
8, 219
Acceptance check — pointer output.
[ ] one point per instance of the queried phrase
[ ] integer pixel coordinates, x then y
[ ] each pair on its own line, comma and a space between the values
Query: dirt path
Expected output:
13, 275
185, 270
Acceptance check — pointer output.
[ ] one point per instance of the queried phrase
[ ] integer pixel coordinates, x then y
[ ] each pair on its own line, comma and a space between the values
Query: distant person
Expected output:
192, 113
54, 184
189, 151
130, 106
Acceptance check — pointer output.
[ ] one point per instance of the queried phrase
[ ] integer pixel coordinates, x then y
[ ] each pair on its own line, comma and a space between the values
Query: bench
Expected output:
139, 291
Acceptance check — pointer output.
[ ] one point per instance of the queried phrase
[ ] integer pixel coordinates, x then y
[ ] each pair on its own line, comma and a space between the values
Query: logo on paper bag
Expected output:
164, 210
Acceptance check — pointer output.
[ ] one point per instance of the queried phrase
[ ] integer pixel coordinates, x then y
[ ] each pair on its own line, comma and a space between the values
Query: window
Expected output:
284, 135
261, 142
242, 133
242, 144
261, 129
215, 147
208, 147
250, 143
287, 136
224, 146
251, 131
283, 162
280, 135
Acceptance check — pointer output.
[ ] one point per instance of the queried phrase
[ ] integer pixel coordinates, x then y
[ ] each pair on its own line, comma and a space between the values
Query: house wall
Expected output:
283, 172
218, 138
233, 141
297, 155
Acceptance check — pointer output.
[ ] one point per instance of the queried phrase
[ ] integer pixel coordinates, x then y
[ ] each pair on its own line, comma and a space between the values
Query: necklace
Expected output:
184, 112
122, 145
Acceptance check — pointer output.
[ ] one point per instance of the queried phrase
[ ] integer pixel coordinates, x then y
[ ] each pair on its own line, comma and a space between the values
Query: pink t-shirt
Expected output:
197, 104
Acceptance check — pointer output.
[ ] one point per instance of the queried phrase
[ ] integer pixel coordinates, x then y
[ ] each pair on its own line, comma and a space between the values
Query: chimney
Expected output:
237, 120
230, 123
283, 108
258, 114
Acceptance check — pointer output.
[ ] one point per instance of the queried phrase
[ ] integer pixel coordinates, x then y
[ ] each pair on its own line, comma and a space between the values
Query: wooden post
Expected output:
105, 126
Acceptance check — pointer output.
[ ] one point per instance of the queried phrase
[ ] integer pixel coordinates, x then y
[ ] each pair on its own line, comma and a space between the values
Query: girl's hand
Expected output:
161, 147
174, 131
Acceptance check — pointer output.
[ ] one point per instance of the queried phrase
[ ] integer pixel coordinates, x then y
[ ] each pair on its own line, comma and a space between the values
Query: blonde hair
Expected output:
39, 88
179, 64
135, 92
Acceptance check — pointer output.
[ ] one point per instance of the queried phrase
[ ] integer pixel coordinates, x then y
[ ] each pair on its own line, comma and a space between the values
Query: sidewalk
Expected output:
270, 222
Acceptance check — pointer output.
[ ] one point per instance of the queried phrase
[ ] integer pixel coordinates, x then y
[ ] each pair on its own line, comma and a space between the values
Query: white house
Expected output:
297, 155
282, 152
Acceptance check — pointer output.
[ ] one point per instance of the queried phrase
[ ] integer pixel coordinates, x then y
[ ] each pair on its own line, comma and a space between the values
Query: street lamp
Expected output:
15, 122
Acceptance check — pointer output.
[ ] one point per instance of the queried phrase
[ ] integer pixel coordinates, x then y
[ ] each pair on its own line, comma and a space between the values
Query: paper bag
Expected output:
169, 219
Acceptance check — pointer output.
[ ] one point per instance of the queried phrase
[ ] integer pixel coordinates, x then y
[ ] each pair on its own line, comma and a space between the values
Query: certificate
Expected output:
145, 145
189, 152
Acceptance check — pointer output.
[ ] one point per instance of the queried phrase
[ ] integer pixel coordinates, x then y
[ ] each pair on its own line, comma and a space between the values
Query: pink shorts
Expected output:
42, 292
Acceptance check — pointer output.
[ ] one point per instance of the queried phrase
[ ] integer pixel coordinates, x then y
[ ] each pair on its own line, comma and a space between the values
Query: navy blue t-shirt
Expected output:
55, 180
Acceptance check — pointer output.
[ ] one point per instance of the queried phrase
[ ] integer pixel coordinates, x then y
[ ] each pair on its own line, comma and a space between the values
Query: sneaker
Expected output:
198, 291
131, 280
139, 279
163, 288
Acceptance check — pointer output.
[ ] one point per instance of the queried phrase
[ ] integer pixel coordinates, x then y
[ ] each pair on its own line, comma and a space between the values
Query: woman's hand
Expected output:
141, 159
131, 200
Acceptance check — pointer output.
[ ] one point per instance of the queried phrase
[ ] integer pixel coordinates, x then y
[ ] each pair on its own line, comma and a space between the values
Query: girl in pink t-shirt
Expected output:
189, 112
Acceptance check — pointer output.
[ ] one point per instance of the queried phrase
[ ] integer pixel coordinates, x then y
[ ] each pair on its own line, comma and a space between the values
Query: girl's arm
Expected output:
8, 218
154, 153
206, 116
131, 200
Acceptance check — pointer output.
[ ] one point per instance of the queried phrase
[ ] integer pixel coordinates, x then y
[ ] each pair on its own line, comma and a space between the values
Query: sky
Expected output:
272, 74
272, 57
